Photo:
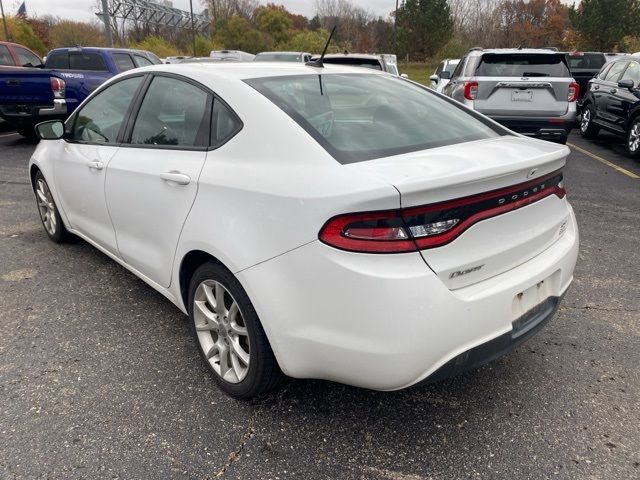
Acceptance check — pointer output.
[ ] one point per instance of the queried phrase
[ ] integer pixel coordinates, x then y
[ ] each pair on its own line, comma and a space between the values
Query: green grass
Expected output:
418, 72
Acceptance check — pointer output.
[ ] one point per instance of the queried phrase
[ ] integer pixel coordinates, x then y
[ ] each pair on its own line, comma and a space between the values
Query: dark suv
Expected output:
613, 102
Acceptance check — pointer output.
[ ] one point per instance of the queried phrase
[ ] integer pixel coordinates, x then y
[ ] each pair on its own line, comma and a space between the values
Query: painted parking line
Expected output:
604, 160
9, 135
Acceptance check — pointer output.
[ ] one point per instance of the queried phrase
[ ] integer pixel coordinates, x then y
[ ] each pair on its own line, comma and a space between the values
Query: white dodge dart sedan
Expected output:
330, 223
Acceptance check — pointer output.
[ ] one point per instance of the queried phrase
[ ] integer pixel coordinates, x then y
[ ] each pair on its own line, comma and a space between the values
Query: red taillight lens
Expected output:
470, 90
57, 87
430, 226
574, 90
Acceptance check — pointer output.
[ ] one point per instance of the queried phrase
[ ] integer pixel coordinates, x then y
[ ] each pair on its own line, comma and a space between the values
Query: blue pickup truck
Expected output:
32, 95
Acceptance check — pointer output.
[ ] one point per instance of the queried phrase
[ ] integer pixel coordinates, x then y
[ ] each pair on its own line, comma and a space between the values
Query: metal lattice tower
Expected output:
151, 13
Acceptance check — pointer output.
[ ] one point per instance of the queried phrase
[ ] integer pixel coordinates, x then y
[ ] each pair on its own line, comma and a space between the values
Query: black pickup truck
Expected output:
584, 66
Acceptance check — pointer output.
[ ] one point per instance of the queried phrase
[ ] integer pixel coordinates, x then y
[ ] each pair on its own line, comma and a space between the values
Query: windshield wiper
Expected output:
535, 74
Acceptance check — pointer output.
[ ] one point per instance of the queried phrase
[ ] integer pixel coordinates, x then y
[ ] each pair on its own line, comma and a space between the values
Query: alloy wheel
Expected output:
46, 207
634, 138
585, 120
221, 331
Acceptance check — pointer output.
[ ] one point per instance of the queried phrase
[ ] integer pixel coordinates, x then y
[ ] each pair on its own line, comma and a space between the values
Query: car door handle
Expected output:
613, 90
97, 164
596, 87
176, 177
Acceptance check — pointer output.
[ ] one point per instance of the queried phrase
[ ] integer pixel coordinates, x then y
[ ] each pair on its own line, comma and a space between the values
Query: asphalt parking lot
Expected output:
99, 377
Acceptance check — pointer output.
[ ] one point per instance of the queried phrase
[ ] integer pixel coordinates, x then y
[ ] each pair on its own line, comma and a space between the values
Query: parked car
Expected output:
615, 56
583, 67
15, 55
30, 95
329, 223
237, 55
443, 72
530, 91
612, 103
207, 60
302, 57
385, 62
176, 59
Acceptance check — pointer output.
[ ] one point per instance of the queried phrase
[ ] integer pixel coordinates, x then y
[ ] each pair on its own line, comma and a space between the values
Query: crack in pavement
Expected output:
235, 455
601, 309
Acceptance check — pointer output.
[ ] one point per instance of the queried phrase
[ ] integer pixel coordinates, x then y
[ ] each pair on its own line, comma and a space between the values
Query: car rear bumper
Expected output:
557, 128
29, 115
387, 322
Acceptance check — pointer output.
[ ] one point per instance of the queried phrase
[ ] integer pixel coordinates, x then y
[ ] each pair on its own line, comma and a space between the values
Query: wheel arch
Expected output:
188, 265
33, 170
635, 114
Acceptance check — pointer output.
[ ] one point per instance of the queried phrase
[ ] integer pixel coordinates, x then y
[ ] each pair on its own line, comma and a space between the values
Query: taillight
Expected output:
57, 87
574, 90
430, 226
470, 90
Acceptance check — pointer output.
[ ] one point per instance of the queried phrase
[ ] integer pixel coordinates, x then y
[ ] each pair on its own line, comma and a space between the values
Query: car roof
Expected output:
542, 51
247, 70
286, 53
351, 55
96, 49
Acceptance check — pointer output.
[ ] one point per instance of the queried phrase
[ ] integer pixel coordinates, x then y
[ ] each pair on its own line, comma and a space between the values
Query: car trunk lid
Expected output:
490, 171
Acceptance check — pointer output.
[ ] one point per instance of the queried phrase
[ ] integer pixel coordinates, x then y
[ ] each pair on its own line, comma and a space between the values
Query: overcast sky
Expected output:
85, 9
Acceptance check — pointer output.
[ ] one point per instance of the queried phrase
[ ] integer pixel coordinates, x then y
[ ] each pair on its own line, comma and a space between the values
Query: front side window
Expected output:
522, 65
358, 117
99, 121
615, 71
87, 61
123, 62
451, 66
5, 56
632, 73
26, 58
174, 113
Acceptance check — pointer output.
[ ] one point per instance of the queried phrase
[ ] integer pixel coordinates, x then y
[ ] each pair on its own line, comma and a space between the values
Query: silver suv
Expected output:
529, 91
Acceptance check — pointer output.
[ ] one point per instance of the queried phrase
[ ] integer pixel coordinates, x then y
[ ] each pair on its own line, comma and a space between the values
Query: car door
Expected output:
607, 88
153, 178
622, 100
90, 143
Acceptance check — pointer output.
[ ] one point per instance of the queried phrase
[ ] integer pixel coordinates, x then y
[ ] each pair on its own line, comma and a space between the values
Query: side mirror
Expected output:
628, 83
51, 130
404, 75
434, 78
446, 75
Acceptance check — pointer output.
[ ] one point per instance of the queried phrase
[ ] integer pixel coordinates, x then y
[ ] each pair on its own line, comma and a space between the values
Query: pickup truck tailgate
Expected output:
25, 87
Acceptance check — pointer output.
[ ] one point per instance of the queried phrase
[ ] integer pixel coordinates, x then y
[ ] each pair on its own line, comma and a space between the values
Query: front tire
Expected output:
49, 215
633, 139
587, 128
229, 335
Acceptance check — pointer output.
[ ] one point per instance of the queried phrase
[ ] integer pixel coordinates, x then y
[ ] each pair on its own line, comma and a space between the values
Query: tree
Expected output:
69, 33
157, 45
275, 21
424, 27
312, 41
602, 24
21, 32
235, 33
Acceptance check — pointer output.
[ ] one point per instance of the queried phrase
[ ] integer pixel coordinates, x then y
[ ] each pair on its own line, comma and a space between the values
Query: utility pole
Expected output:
106, 18
395, 30
193, 30
4, 21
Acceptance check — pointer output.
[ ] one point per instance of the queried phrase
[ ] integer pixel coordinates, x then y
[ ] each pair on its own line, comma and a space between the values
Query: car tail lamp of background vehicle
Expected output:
574, 91
429, 226
57, 87
470, 90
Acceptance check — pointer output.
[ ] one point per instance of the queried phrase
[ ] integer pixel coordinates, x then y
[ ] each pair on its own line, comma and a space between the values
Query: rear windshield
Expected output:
587, 61
522, 65
356, 62
358, 117
278, 57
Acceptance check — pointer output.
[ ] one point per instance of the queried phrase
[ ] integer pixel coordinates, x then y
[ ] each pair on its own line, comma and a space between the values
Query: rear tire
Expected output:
587, 128
633, 139
49, 215
230, 338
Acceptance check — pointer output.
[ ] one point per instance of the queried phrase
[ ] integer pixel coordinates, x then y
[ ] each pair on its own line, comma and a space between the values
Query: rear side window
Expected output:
358, 117
5, 56
58, 61
86, 61
224, 124
173, 112
604, 71
614, 73
587, 61
123, 62
522, 65
141, 61
26, 58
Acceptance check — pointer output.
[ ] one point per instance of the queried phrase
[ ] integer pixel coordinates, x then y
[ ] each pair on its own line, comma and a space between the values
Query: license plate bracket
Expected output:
522, 95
